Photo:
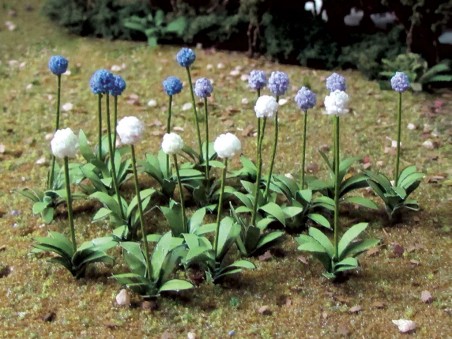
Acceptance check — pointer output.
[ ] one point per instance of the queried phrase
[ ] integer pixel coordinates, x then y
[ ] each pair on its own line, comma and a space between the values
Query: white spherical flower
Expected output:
64, 143
227, 145
266, 106
172, 143
336, 103
130, 130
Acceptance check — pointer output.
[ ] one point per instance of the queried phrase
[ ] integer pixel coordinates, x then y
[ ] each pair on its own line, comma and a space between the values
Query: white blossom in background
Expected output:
227, 145
130, 130
336, 103
172, 143
266, 106
64, 143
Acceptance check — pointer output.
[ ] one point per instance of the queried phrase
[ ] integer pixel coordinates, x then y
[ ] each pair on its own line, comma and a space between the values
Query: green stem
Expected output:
220, 205
181, 193
115, 123
69, 202
258, 125
275, 144
303, 158
112, 159
168, 130
399, 133
140, 210
57, 127
194, 111
207, 140
99, 135
259, 172
336, 184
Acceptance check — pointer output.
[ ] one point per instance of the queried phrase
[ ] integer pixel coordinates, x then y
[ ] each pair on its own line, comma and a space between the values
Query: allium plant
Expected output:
57, 65
278, 83
336, 82
396, 196
119, 85
64, 146
340, 255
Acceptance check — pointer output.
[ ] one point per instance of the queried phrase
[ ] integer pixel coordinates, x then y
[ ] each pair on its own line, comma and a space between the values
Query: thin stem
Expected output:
69, 202
112, 159
399, 134
99, 137
194, 111
140, 210
207, 140
115, 123
303, 158
220, 205
336, 184
258, 176
275, 144
181, 193
57, 127
168, 130
258, 125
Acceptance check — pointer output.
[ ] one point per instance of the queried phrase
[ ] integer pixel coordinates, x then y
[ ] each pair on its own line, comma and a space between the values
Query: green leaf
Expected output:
39, 206
356, 249
134, 257
58, 242
351, 234
269, 238
322, 239
248, 186
177, 26
176, 285
319, 219
309, 244
108, 201
48, 214
173, 215
276, 211
292, 211
243, 264
229, 231
362, 202
346, 265
101, 214
196, 220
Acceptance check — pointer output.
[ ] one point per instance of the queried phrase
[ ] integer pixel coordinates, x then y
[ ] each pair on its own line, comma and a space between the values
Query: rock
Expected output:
245, 101
282, 102
426, 297
411, 126
67, 106
123, 298
244, 77
355, 309
220, 65
41, 161
209, 67
152, 103
231, 333
234, 73
191, 335
187, 106
404, 325
428, 144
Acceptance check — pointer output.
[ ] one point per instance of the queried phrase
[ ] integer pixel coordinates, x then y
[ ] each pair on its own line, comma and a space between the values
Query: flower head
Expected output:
185, 57
278, 83
203, 88
130, 130
400, 82
336, 82
305, 98
102, 81
64, 143
266, 106
227, 145
172, 143
257, 80
119, 85
336, 103
58, 64
172, 85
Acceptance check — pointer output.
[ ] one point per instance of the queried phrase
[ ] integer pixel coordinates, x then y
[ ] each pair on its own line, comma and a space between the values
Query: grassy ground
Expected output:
301, 302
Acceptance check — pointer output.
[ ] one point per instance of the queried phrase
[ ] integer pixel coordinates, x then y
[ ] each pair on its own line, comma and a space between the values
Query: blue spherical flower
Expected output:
278, 83
257, 80
185, 57
119, 85
305, 98
172, 85
58, 64
203, 88
102, 81
400, 82
336, 82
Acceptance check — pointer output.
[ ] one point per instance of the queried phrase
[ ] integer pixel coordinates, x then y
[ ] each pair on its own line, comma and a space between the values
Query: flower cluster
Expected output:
185, 57
64, 143
172, 143
400, 82
336, 103
336, 82
172, 85
257, 80
305, 98
266, 106
203, 88
58, 64
118, 86
227, 145
102, 81
278, 83
130, 130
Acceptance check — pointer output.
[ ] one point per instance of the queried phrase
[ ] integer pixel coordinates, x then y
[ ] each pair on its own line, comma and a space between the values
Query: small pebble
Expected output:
187, 106
428, 144
282, 102
404, 325
411, 126
48, 136
123, 298
234, 73
116, 68
426, 297
29, 86
191, 335
41, 161
67, 107
231, 333
209, 67
245, 101
10, 26
244, 77
220, 65
152, 103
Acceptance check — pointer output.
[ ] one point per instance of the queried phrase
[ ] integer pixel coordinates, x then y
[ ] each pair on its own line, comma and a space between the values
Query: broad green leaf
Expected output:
356, 249
248, 186
309, 244
101, 214
276, 211
319, 219
322, 239
292, 211
229, 231
267, 239
243, 264
176, 285
351, 234
306, 195
39, 206
196, 219
362, 202
346, 264
48, 214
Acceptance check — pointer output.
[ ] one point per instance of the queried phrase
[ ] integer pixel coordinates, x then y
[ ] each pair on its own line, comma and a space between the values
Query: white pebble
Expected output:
187, 106
67, 107
220, 65
191, 335
282, 102
288, 175
29, 86
411, 126
67, 73
123, 298
428, 144
244, 77
245, 101
10, 26
209, 67
234, 73
427, 128
49, 136
116, 68
152, 103
41, 161
405, 325
178, 129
